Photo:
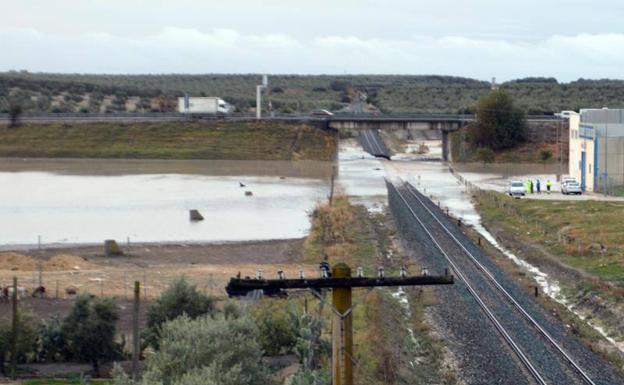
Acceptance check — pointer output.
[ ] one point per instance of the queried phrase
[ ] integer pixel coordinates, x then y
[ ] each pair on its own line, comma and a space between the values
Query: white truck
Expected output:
203, 105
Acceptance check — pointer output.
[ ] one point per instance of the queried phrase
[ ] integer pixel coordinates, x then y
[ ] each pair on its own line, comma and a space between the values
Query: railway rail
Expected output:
496, 302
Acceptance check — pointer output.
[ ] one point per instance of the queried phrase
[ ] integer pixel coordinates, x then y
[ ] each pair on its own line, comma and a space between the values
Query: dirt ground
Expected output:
209, 266
85, 268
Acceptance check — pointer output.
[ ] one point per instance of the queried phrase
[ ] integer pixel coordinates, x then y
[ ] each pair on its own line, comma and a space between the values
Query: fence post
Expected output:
135, 332
14, 331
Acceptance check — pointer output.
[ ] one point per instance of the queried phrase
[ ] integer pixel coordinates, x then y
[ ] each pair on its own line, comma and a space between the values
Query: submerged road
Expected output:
373, 144
502, 335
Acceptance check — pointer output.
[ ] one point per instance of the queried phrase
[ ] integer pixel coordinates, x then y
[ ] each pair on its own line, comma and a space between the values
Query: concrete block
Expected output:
111, 248
195, 215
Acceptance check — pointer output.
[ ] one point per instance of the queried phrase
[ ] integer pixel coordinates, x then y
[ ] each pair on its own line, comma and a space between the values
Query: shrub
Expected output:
179, 298
25, 339
51, 342
485, 155
545, 156
278, 332
15, 111
90, 331
207, 351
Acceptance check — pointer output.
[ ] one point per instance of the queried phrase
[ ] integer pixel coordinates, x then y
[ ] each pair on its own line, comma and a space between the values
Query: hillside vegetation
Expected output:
39, 92
169, 140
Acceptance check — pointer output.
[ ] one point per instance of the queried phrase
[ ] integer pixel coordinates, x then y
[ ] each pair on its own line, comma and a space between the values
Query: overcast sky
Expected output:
475, 38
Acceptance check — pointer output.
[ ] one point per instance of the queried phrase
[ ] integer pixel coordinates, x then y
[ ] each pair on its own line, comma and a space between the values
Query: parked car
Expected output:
567, 179
516, 188
321, 113
571, 188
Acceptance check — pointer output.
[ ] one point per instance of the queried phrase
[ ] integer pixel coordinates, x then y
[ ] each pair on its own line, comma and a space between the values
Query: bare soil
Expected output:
209, 266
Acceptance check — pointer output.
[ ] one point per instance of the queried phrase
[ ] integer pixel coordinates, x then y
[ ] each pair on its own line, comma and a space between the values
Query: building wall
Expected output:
614, 159
581, 142
600, 134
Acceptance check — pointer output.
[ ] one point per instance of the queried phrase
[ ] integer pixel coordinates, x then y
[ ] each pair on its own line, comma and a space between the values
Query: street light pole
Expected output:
259, 88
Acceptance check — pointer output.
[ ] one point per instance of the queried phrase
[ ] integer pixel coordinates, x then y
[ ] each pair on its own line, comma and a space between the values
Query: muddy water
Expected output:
361, 176
87, 201
90, 167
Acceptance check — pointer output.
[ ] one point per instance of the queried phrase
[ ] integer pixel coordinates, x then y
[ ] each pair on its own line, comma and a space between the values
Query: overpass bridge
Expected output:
440, 124
340, 120
437, 123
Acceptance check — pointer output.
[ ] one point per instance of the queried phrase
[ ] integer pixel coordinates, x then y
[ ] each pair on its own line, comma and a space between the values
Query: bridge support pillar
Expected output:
445, 145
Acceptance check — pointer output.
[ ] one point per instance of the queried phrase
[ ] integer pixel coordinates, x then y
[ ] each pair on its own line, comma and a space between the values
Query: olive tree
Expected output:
499, 123
89, 330
178, 299
15, 111
25, 339
51, 343
206, 351
277, 325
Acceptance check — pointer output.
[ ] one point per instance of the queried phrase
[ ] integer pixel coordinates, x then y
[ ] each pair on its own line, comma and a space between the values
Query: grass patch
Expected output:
586, 235
65, 381
169, 140
385, 350
343, 232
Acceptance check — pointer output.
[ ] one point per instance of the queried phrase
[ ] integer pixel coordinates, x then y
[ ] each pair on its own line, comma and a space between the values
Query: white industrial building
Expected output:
597, 148
202, 105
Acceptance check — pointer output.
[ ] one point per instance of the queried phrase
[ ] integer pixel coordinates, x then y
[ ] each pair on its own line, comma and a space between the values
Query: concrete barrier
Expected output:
195, 215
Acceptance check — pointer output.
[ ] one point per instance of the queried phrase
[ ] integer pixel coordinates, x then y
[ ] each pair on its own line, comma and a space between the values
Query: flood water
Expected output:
361, 176
87, 201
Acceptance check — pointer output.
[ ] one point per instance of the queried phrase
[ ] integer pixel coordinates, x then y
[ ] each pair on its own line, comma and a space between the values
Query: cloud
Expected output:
190, 50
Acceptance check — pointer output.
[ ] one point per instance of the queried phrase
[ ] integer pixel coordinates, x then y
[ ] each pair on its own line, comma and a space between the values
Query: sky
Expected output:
472, 38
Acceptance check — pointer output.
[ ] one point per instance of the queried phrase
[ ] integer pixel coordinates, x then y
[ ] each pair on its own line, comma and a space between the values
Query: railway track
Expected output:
543, 357
373, 145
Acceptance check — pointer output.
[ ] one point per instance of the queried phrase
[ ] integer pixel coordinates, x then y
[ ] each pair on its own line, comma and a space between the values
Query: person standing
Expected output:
538, 185
531, 185
548, 185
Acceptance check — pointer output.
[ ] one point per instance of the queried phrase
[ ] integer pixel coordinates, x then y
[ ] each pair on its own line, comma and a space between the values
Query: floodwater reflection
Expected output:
87, 201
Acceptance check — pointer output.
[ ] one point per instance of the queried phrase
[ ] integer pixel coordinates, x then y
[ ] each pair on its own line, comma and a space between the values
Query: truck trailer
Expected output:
202, 105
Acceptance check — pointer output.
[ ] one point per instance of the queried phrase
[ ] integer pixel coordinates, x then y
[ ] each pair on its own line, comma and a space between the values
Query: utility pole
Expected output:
341, 282
40, 269
331, 187
342, 330
136, 343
